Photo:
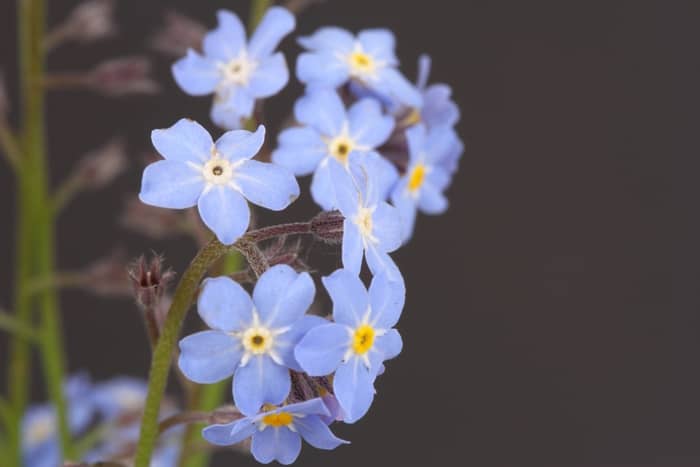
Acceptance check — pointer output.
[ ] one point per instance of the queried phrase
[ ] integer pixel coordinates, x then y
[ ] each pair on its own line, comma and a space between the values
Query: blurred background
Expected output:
542, 326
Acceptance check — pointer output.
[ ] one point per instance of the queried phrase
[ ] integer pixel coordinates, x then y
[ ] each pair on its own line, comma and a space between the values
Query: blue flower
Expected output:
216, 177
372, 227
237, 73
336, 56
120, 396
438, 107
251, 339
277, 433
331, 136
360, 339
431, 157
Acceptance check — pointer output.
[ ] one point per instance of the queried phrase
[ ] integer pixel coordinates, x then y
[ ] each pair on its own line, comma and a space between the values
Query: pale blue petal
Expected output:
329, 38
438, 107
229, 433
322, 69
389, 345
116, 396
392, 83
209, 356
323, 186
379, 44
322, 110
274, 25
350, 298
231, 106
283, 295
368, 124
185, 141
386, 298
268, 185
310, 407
352, 248
261, 381
300, 150
224, 305
286, 343
450, 160
386, 227
416, 138
317, 433
322, 349
171, 184
431, 201
424, 65
279, 444
438, 177
406, 205
226, 41
225, 212
269, 77
376, 177
439, 141
347, 190
354, 389
196, 75
379, 261
236, 145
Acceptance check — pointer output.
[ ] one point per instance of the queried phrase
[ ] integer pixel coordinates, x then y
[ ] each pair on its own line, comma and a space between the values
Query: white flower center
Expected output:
363, 220
362, 65
217, 170
239, 70
259, 339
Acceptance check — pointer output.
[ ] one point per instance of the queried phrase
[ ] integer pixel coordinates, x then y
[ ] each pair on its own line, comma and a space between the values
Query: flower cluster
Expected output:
379, 149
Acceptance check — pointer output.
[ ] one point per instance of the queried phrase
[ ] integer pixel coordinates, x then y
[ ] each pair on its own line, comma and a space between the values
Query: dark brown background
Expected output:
544, 325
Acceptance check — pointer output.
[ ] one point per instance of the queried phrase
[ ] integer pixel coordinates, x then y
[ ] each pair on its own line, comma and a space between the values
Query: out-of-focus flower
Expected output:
277, 432
438, 107
89, 21
335, 57
150, 221
119, 397
253, 340
360, 339
122, 76
98, 168
235, 72
179, 34
331, 136
216, 177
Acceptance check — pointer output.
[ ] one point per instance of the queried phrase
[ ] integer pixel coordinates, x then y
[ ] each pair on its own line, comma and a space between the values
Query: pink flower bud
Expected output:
121, 76
100, 167
149, 281
179, 34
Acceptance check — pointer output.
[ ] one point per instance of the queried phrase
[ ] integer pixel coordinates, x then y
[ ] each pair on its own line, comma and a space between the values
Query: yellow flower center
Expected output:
411, 119
363, 339
361, 63
415, 180
340, 148
278, 419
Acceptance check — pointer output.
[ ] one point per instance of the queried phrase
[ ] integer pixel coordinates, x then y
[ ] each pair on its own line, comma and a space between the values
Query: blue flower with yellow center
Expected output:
359, 340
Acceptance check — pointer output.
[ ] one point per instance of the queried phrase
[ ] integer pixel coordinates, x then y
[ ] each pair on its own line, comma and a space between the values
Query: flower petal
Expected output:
354, 389
322, 349
379, 261
353, 248
424, 65
321, 69
386, 227
185, 141
280, 444
283, 295
389, 344
323, 185
431, 201
323, 110
392, 83
350, 299
226, 41
229, 433
406, 205
287, 342
438, 107
261, 381
386, 298
237, 145
300, 149
416, 137
347, 190
368, 124
277, 23
196, 75
329, 38
380, 44
269, 77
375, 177
231, 106
267, 185
317, 433
224, 305
225, 212
170, 184
209, 356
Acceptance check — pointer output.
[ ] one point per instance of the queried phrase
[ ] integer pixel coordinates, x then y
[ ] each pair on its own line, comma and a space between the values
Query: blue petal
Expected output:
352, 248
416, 137
224, 305
389, 345
300, 150
282, 296
386, 227
329, 38
310, 407
268, 185
269, 77
379, 44
376, 177
237, 145
424, 65
231, 106
196, 75
354, 389
386, 298
350, 299
347, 190
379, 261
450, 160
323, 185
431, 201
171, 184
368, 124
322, 349
406, 205
322, 69
280, 444
229, 433
225, 212
317, 433
277, 23
185, 141
438, 142
322, 110
117, 396
392, 83
209, 356
261, 381
438, 177
438, 107
226, 41
286, 343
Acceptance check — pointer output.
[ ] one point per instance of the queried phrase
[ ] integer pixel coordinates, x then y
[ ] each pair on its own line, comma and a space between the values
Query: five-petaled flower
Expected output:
332, 136
215, 177
360, 339
335, 57
237, 73
253, 340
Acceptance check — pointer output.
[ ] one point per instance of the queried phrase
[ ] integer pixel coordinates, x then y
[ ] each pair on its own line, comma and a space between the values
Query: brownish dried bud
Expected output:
149, 281
150, 221
122, 76
179, 34
101, 166
89, 21
328, 226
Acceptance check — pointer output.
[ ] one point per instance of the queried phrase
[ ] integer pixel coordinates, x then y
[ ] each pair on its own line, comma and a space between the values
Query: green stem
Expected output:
12, 325
257, 10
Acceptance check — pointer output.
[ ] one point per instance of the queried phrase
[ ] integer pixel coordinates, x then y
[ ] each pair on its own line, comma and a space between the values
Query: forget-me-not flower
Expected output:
331, 136
427, 176
438, 108
253, 340
119, 396
335, 56
360, 339
237, 73
215, 177
277, 432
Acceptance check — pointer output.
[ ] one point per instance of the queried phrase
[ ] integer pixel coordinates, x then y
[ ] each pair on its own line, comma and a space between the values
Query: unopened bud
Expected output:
149, 281
100, 167
150, 221
179, 34
328, 226
122, 76
89, 21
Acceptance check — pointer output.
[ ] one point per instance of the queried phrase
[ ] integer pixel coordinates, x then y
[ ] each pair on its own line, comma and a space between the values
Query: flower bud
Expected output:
179, 34
122, 76
149, 281
89, 21
328, 226
100, 167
